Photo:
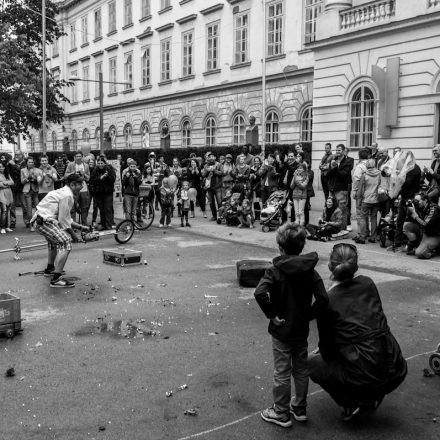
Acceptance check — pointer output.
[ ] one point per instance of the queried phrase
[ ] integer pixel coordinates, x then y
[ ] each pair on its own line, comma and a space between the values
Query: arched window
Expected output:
128, 136
112, 133
238, 130
186, 133
306, 124
145, 133
210, 131
362, 110
272, 127
85, 136
98, 138
74, 137
54, 141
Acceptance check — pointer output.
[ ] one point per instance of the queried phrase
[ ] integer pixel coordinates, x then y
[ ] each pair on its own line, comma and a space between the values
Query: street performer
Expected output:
54, 222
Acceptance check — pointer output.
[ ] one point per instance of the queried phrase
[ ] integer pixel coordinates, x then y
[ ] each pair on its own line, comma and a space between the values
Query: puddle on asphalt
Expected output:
119, 328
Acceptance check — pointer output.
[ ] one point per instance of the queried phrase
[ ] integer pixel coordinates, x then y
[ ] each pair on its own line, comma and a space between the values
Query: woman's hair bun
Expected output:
344, 271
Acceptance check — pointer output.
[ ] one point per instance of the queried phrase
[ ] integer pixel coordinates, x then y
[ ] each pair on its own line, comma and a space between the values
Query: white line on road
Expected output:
226, 425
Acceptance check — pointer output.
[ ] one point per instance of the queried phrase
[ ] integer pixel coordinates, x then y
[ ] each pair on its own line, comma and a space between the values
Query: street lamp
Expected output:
101, 102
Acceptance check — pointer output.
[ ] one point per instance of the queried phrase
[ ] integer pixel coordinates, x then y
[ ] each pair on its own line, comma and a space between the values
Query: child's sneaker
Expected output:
299, 414
271, 416
2, 231
182, 225
350, 412
160, 225
188, 225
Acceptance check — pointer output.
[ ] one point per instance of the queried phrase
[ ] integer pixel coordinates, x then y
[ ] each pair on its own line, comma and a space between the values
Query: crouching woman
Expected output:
359, 360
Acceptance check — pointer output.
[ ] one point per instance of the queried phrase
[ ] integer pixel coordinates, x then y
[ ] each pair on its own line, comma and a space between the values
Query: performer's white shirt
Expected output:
57, 206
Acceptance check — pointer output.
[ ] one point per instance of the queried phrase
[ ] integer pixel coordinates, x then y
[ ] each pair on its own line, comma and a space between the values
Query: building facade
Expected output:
377, 75
191, 66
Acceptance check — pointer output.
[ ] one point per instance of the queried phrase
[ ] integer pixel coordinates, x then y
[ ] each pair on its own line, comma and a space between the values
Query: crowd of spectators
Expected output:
235, 189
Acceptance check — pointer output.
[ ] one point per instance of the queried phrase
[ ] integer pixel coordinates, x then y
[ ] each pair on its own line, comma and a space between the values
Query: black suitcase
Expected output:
250, 272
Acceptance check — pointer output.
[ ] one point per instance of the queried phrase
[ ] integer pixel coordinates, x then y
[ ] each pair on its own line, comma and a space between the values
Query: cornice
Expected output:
186, 19
212, 9
165, 27
96, 54
127, 42
110, 48
146, 34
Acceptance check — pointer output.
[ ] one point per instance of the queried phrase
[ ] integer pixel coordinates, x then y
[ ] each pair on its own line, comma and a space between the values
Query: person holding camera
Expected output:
423, 228
432, 175
130, 187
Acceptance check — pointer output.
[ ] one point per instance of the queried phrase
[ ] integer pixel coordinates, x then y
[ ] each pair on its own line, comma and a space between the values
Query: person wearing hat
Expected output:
54, 222
228, 173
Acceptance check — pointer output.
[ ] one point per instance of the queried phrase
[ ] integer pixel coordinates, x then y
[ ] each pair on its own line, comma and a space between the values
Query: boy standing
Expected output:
285, 296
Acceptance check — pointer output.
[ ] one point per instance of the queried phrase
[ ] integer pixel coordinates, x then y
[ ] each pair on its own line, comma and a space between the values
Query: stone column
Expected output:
328, 23
337, 5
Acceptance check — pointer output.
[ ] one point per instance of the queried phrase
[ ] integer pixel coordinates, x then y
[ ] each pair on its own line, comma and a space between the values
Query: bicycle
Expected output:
146, 208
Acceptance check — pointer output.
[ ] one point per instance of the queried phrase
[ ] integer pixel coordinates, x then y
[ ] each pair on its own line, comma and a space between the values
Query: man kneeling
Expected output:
54, 222
423, 229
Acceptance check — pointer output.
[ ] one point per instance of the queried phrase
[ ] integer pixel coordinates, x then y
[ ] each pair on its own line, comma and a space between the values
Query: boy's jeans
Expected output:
130, 203
289, 360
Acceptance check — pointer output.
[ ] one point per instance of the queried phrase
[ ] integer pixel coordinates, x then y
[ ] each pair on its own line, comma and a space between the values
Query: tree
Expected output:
21, 68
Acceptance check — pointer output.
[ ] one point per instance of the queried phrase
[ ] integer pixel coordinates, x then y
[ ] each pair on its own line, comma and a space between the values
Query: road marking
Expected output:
39, 315
219, 266
381, 277
235, 422
195, 243
220, 286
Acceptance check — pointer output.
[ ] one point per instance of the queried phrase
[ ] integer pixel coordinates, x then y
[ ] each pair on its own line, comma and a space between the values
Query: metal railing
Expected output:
433, 3
369, 14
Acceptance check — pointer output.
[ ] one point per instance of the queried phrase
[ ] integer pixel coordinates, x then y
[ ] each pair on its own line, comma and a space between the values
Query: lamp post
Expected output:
263, 84
43, 10
101, 103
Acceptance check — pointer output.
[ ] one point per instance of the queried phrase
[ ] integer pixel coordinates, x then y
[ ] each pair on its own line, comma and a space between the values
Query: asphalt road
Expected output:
104, 355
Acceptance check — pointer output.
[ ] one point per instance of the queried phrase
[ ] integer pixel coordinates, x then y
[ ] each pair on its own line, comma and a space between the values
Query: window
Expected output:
128, 70
362, 109
98, 23
275, 28
56, 48
306, 124
113, 75
165, 56
128, 12
272, 128
128, 136
210, 131
112, 16
84, 30
74, 89
145, 8
112, 134
86, 136
74, 137
313, 9
54, 141
98, 71
187, 62
165, 4
238, 130
212, 45
146, 66
73, 36
85, 83
98, 138
32, 142
145, 132
186, 134
241, 23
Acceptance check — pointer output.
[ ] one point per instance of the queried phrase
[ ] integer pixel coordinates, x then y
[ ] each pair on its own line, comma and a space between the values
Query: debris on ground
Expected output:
210, 296
190, 412
427, 372
212, 333
38, 344
169, 393
182, 387
10, 372
102, 428
145, 262
114, 298
163, 284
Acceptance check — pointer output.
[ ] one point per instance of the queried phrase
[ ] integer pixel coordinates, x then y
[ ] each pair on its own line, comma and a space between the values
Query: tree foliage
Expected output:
21, 68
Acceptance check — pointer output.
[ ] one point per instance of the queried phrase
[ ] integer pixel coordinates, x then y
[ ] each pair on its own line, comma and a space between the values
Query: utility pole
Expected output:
43, 10
263, 99
101, 113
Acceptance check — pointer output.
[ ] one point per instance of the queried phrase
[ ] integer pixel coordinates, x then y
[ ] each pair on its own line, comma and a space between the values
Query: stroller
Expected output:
386, 229
271, 216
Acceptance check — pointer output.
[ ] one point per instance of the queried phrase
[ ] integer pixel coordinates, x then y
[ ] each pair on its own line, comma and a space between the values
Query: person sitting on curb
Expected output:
285, 295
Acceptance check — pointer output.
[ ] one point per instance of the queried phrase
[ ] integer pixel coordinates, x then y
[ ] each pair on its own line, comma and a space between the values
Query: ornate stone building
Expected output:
194, 66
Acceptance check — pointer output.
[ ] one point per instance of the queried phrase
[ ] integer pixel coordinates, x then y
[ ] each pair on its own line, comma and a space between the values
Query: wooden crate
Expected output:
10, 313
122, 257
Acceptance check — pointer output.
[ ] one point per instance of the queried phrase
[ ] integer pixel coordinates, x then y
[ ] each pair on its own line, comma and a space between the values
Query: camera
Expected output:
410, 203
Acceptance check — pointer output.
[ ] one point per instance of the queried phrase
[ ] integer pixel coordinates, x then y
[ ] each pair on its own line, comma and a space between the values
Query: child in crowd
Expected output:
298, 186
231, 214
285, 296
183, 201
226, 203
331, 222
131, 181
166, 203
245, 215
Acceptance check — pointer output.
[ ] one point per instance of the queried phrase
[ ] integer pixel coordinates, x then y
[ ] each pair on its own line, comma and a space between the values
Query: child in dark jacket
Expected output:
184, 202
245, 215
285, 295
166, 203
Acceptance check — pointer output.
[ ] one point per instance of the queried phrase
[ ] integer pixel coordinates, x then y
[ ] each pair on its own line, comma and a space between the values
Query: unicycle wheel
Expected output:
434, 363
124, 231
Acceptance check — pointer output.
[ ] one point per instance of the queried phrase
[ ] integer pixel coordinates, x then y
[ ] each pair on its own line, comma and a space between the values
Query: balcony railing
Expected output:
369, 14
433, 3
